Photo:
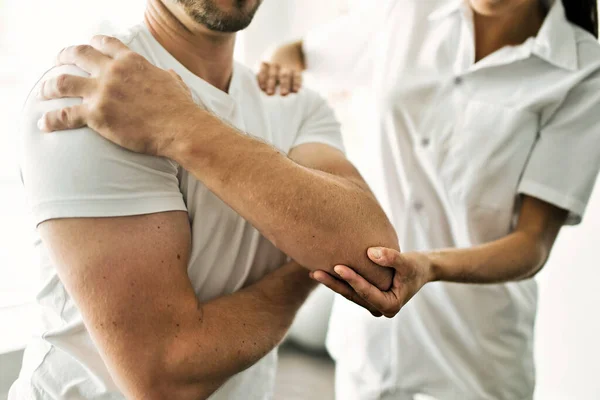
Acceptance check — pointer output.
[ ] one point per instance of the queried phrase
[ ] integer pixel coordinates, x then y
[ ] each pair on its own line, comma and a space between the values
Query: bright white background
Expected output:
31, 33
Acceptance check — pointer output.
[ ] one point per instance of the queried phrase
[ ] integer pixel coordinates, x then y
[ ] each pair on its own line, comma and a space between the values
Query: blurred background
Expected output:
31, 34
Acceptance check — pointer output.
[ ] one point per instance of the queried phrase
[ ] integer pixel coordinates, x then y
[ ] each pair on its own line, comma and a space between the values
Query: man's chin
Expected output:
228, 17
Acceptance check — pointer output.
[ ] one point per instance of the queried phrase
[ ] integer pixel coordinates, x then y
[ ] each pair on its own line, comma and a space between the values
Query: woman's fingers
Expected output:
297, 81
273, 78
384, 256
270, 76
285, 81
385, 302
263, 76
343, 289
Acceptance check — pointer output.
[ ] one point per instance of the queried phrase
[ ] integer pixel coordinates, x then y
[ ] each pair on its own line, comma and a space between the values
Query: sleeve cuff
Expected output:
96, 208
575, 207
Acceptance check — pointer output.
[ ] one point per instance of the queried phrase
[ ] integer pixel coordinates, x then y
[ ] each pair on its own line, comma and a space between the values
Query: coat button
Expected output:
458, 80
425, 142
418, 205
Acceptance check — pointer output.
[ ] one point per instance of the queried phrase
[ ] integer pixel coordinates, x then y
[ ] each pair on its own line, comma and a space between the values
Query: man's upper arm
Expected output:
78, 173
116, 227
128, 277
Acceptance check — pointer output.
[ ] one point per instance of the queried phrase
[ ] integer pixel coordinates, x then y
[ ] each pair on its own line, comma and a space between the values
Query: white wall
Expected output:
568, 324
10, 364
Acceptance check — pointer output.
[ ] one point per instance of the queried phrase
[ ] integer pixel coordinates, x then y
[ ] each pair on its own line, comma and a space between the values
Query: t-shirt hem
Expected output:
116, 207
575, 207
320, 140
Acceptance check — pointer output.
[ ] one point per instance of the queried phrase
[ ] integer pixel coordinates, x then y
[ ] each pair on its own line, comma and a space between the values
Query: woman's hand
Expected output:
272, 75
412, 272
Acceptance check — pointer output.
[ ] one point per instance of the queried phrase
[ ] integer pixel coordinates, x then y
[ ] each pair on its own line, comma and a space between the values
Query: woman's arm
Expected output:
519, 255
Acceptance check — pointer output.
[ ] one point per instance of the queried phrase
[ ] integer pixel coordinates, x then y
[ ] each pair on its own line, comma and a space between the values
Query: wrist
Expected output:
288, 286
188, 136
435, 268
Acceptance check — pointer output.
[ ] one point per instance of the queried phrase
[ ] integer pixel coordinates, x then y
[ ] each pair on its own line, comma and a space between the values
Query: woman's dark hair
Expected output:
583, 13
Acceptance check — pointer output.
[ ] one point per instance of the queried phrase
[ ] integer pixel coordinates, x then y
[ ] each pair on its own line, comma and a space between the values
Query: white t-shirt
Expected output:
456, 142
80, 174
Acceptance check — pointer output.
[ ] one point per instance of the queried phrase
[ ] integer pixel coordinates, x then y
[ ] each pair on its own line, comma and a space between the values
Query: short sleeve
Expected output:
319, 124
340, 54
78, 173
565, 160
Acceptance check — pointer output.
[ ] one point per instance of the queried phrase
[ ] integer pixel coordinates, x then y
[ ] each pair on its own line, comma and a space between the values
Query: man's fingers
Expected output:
285, 81
65, 86
109, 46
272, 79
263, 75
85, 57
66, 118
384, 256
343, 289
297, 81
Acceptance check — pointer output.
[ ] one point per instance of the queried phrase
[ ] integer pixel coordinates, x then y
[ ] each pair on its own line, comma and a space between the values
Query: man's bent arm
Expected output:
313, 205
128, 276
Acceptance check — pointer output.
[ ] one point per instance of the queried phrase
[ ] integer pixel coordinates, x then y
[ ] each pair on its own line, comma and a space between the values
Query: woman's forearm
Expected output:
515, 257
290, 56
519, 255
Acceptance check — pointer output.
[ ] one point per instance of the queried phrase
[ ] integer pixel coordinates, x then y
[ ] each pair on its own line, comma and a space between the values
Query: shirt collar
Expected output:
554, 43
446, 10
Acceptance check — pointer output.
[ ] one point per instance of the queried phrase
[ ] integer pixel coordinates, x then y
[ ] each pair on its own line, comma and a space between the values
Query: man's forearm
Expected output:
233, 332
317, 218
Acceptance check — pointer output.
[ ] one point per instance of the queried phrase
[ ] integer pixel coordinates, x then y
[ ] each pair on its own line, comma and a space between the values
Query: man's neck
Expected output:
205, 53
511, 29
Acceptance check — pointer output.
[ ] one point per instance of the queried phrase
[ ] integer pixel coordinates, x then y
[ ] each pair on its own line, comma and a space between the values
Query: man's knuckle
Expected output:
82, 49
107, 40
131, 57
64, 116
61, 83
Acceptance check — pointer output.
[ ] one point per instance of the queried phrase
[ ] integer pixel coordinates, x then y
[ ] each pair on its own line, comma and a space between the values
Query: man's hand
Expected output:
412, 272
138, 111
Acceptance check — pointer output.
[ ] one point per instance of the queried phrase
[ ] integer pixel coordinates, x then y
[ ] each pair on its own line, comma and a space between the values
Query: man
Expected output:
156, 281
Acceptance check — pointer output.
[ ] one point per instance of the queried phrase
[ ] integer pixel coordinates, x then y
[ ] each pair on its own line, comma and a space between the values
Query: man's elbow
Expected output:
162, 384
377, 233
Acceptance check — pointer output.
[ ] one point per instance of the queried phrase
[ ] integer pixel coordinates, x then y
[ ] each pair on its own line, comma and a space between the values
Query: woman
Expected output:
488, 140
